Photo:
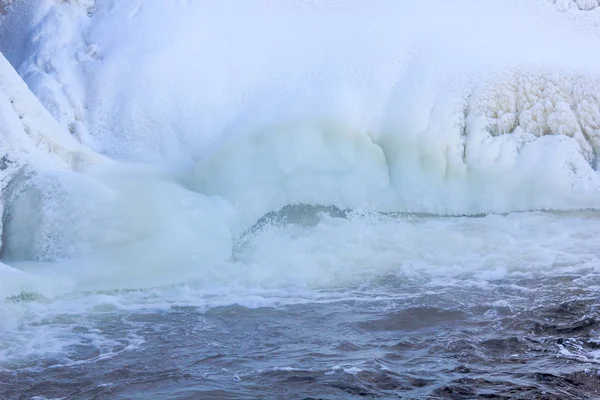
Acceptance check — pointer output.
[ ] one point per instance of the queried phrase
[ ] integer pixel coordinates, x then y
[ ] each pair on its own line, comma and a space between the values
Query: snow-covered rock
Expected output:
30, 138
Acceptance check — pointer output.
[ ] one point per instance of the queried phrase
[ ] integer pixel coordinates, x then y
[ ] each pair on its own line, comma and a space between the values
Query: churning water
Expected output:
318, 302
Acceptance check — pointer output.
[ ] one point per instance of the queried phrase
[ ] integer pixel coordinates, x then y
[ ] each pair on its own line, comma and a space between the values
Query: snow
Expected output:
30, 138
29, 130
584, 5
459, 107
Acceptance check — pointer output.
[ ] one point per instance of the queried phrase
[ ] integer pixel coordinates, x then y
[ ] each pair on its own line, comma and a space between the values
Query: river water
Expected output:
407, 306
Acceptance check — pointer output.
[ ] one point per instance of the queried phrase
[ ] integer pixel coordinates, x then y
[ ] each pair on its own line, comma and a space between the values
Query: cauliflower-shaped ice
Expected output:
585, 5
543, 103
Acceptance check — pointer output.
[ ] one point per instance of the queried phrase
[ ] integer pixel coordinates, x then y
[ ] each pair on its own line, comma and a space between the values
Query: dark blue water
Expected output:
528, 339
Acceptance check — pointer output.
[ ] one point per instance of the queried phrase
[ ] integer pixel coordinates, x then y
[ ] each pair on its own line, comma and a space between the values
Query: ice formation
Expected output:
210, 116
30, 138
585, 5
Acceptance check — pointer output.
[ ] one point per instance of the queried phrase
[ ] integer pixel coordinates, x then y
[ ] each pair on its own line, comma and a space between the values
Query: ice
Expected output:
209, 116
584, 5
30, 139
